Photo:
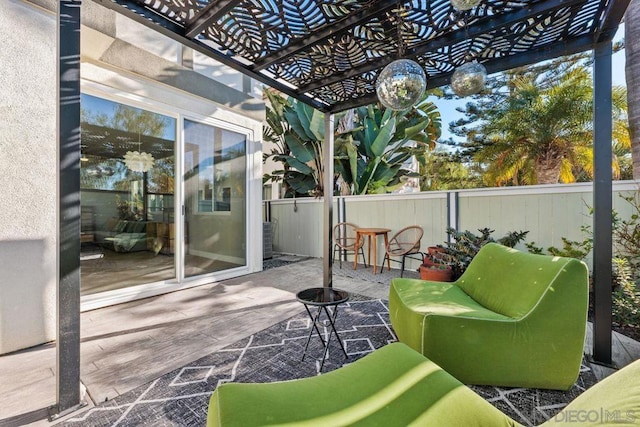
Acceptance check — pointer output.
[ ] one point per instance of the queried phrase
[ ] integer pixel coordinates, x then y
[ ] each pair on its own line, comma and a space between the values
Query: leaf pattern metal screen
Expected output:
330, 52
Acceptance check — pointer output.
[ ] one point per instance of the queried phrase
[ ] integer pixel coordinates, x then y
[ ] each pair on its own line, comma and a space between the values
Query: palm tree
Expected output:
632, 74
542, 134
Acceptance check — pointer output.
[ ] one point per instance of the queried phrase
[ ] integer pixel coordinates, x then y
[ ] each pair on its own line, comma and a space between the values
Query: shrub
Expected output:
465, 245
626, 299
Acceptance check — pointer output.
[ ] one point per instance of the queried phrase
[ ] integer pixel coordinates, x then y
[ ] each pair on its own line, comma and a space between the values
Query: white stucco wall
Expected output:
148, 75
28, 174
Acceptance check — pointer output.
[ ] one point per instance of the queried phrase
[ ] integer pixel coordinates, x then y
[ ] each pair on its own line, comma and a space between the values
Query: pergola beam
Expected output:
210, 13
142, 15
492, 66
330, 32
613, 13
482, 26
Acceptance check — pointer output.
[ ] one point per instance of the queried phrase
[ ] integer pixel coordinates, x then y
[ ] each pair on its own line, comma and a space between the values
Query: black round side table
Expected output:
323, 298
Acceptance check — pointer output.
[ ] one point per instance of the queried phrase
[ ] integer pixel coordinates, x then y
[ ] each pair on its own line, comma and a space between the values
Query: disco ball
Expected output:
468, 79
401, 84
464, 4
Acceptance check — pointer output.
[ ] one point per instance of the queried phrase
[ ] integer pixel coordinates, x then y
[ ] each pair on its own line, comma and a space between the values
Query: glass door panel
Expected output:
127, 174
215, 199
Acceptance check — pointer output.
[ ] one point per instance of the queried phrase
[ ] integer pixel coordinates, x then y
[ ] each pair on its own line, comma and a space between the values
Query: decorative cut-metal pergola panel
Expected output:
329, 54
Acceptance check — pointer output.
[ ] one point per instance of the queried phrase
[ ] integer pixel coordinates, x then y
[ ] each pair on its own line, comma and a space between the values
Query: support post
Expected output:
327, 162
68, 146
602, 204
452, 212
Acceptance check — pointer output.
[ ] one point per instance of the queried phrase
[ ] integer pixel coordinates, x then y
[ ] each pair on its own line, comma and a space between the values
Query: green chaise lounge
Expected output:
512, 319
396, 386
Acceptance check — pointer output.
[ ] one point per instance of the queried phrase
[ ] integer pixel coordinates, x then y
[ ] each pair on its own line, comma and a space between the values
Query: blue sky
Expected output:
448, 107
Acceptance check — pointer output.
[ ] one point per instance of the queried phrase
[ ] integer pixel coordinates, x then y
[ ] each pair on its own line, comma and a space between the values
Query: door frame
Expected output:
157, 98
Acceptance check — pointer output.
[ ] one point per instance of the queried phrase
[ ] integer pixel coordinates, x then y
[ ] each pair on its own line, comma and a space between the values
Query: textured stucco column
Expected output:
28, 173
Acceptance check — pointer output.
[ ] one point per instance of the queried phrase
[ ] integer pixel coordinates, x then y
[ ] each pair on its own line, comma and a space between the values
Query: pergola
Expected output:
328, 54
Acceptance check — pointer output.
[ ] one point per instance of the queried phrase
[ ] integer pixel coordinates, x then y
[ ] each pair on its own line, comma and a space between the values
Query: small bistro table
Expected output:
323, 298
372, 232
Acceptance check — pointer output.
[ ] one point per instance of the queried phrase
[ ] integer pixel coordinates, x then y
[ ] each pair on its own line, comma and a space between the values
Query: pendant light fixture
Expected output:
138, 161
402, 82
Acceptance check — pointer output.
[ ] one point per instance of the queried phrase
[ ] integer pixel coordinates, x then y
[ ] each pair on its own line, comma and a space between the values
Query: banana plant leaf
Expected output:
383, 138
301, 183
297, 164
299, 149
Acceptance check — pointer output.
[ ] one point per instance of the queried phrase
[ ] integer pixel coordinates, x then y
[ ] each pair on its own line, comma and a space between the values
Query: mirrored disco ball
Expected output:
468, 79
401, 84
464, 4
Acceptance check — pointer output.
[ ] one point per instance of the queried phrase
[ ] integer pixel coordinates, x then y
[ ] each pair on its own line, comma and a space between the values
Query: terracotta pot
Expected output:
436, 272
434, 250
434, 253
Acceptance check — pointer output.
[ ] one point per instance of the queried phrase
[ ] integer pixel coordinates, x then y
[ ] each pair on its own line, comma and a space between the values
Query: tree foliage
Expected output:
444, 170
535, 127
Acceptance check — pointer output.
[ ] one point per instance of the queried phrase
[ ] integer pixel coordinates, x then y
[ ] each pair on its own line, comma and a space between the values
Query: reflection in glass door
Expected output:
215, 199
127, 174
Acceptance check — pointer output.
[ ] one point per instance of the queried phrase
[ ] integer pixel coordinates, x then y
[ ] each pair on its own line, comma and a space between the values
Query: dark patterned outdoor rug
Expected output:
366, 273
180, 398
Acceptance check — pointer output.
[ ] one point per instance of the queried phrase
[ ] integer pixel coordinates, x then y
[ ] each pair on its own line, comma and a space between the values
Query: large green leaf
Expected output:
292, 118
303, 152
400, 158
340, 169
316, 126
384, 173
298, 165
383, 138
353, 165
278, 104
274, 122
370, 134
302, 183
413, 130
363, 182
312, 121
304, 113
386, 116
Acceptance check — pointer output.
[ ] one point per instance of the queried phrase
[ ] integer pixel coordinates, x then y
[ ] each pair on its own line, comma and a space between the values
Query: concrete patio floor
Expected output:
131, 344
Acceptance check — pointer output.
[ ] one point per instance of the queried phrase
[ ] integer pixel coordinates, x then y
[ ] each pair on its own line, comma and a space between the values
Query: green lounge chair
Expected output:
397, 386
512, 319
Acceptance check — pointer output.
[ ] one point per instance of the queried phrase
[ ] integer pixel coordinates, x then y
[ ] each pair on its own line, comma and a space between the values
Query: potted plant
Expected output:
464, 246
435, 271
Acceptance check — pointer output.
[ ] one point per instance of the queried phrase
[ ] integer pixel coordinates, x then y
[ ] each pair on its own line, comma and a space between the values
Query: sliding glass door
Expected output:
215, 208
131, 230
